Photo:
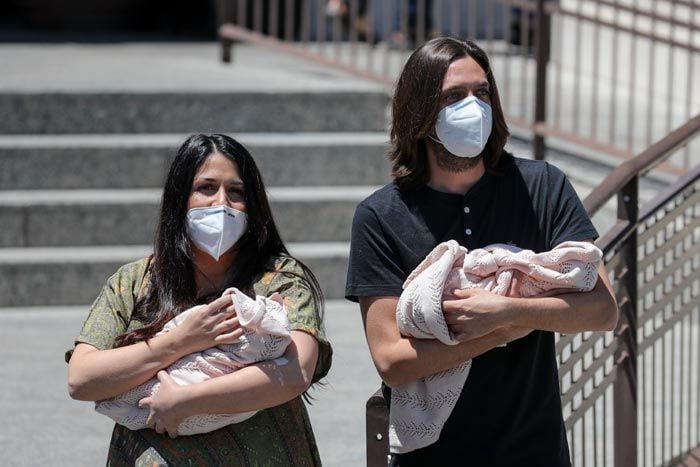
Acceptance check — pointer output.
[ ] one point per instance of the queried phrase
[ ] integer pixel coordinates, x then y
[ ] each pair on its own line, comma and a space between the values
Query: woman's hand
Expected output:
209, 326
165, 406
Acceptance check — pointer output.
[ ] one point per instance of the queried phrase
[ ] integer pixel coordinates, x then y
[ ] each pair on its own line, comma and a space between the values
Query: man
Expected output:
453, 180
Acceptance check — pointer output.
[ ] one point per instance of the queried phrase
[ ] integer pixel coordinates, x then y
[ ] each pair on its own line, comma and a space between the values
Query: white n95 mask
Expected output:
464, 127
215, 229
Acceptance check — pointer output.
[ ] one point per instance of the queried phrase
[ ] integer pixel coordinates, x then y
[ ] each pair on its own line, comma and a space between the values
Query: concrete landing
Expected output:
162, 67
43, 426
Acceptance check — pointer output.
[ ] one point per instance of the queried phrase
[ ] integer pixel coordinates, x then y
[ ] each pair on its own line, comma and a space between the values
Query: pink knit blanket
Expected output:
420, 409
266, 337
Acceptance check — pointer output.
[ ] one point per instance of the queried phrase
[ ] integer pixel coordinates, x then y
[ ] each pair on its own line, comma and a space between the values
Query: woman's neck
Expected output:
209, 274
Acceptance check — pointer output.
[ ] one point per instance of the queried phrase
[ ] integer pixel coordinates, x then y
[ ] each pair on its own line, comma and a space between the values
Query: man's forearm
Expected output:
567, 313
410, 359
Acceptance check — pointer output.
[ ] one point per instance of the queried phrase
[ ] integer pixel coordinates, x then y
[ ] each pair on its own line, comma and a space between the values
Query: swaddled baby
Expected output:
420, 409
266, 335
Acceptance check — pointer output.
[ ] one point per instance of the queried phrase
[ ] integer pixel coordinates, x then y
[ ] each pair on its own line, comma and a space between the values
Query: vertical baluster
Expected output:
290, 23
437, 17
664, 381
633, 80
577, 73
420, 19
654, 425
321, 30
506, 76
305, 22
371, 37
690, 78
651, 72
614, 74
596, 75
455, 16
387, 14
258, 17
353, 33
472, 33
670, 76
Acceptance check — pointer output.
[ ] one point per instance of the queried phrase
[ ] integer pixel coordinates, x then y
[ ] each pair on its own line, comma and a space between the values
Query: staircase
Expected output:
82, 162
81, 176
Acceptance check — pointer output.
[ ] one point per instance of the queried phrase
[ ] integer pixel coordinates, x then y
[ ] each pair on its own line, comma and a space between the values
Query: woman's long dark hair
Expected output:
416, 105
171, 286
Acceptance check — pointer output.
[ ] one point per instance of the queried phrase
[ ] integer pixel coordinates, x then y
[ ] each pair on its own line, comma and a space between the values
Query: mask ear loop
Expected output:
436, 140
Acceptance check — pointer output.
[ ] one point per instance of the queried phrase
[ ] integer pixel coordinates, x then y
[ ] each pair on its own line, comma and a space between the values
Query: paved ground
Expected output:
162, 67
43, 426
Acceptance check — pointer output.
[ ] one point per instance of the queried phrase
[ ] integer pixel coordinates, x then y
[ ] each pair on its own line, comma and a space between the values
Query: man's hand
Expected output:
166, 411
474, 313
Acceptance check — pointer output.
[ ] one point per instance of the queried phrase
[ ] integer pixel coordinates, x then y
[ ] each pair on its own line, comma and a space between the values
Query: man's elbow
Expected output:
391, 373
608, 315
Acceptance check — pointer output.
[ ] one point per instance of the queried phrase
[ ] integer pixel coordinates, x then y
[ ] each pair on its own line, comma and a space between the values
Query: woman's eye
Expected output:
205, 188
236, 193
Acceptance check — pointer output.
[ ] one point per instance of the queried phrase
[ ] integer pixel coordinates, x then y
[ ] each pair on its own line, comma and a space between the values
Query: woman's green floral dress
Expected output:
279, 435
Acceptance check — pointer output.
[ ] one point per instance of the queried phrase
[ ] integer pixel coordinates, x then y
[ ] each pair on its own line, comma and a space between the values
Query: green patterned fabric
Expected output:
279, 435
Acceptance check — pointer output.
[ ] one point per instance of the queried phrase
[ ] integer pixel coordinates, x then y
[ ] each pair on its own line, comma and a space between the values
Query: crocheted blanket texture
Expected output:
266, 335
420, 408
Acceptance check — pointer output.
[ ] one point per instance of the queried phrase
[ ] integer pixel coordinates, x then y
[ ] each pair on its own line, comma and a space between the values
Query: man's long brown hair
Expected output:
416, 105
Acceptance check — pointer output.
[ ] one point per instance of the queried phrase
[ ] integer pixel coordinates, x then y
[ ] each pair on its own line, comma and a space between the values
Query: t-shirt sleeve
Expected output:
110, 313
374, 267
569, 220
290, 282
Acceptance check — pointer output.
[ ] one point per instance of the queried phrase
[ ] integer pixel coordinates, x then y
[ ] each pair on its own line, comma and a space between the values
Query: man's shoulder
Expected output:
385, 197
535, 168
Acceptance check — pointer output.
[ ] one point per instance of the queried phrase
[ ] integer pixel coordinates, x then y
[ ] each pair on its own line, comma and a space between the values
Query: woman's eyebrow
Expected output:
213, 179
459, 87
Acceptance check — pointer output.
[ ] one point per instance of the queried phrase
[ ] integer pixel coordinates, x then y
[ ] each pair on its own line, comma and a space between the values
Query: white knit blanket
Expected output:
266, 336
420, 409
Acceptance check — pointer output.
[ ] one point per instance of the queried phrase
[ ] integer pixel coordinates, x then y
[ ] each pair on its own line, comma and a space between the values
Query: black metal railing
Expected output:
609, 76
631, 397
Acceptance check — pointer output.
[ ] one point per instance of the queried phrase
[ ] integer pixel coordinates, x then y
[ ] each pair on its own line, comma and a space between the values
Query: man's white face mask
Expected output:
215, 229
464, 127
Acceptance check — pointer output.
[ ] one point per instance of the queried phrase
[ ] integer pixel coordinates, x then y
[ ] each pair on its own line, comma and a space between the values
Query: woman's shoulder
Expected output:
279, 272
285, 264
130, 276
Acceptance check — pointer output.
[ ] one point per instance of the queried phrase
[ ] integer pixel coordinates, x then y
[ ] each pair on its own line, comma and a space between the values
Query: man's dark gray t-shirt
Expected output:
509, 412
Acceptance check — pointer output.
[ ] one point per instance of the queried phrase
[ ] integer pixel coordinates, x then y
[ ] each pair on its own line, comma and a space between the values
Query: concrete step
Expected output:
74, 276
37, 218
47, 162
180, 112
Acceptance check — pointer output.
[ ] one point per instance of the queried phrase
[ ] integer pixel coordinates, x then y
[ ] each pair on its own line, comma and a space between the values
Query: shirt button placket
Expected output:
467, 231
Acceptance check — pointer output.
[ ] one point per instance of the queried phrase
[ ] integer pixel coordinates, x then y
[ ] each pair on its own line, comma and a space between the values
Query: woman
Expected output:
215, 231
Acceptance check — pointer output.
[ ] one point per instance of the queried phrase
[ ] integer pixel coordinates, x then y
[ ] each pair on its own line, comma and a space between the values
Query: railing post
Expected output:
223, 15
542, 40
625, 392
377, 426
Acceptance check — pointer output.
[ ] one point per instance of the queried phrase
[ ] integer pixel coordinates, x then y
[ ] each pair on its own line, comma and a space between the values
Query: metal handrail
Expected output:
640, 165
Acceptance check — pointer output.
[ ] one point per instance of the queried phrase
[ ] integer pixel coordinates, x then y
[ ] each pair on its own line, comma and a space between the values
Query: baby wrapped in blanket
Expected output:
420, 409
266, 335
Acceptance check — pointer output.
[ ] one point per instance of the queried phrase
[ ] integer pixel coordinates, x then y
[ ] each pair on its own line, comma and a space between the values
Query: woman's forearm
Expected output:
100, 374
258, 386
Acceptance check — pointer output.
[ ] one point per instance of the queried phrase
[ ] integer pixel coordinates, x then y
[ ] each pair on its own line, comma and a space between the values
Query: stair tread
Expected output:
152, 195
364, 138
43, 255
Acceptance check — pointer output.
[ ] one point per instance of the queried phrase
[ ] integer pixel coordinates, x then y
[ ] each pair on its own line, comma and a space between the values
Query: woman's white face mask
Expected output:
464, 127
215, 229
